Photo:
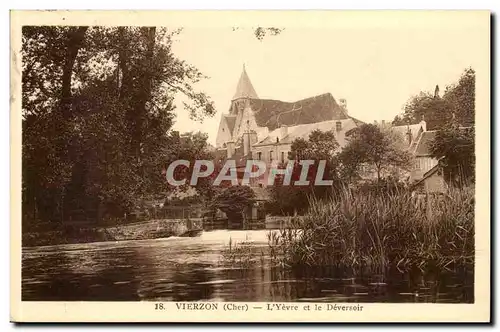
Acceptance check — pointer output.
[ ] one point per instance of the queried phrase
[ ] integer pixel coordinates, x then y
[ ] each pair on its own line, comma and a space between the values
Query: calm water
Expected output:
190, 269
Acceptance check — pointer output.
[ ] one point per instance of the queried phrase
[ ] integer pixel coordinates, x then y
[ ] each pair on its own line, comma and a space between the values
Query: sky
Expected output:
376, 69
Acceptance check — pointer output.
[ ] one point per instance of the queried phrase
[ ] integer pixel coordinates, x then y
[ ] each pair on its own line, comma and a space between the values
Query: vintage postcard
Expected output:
250, 166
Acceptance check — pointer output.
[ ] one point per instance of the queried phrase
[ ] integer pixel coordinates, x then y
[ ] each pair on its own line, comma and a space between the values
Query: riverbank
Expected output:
71, 234
380, 231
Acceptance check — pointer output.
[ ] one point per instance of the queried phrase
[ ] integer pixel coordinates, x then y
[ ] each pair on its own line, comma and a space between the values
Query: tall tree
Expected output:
320, 145
457, 102
97, 113
425, 106
454, 147
378, 148
461, 97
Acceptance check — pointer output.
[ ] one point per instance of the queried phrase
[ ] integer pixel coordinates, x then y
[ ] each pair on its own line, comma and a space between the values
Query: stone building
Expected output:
264, 129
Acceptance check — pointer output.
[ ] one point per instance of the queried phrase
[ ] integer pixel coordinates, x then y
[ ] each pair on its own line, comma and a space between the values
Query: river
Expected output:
190, 269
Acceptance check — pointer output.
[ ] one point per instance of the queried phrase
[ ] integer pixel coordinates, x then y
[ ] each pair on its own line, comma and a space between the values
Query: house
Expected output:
432, 181
409, 133
423, 160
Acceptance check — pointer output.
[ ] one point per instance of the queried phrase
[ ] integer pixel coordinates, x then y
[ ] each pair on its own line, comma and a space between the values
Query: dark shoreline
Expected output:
71, 234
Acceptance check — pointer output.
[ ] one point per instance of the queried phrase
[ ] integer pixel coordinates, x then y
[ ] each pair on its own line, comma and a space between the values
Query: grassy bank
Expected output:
368, 230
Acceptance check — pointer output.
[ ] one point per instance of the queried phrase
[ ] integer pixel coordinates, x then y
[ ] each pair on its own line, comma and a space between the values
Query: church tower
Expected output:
240, 126
244, 90
245, 126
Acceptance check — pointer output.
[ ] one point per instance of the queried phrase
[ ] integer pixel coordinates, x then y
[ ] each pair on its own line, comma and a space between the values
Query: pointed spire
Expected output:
244, 88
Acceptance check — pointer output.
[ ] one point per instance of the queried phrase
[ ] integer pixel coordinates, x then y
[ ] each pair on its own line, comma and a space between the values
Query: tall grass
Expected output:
378, 231
238, 255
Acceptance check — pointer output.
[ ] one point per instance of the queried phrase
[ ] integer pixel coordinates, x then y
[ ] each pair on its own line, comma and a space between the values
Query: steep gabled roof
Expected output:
244, 89
423, 147
275, 113
230, 120
414, 130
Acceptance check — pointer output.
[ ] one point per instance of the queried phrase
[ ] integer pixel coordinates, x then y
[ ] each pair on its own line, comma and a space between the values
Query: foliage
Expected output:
425, 106
375, 147
321, 145
454, 147
191, 147
233, 201
97, 108
381, 231
457, 102
287, 200
461, 97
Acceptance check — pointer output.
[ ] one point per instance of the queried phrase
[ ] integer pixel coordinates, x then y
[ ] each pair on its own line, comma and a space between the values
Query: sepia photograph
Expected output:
258, 166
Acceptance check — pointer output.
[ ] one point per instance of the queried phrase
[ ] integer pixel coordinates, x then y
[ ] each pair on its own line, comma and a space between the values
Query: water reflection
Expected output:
188, 269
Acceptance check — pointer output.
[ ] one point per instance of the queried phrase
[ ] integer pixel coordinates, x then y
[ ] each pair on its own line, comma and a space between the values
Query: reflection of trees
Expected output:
69, 277
148, 273
190, 284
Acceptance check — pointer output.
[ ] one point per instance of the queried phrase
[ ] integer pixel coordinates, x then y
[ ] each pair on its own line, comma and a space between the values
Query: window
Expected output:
271, 155
338, 125
259, 155
282, 156
418, 164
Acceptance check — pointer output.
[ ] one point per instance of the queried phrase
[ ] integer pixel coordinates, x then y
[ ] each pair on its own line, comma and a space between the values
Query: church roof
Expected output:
245, 88
275, 113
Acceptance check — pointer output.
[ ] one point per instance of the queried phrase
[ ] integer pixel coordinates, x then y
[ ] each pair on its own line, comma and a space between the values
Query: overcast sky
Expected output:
375, 69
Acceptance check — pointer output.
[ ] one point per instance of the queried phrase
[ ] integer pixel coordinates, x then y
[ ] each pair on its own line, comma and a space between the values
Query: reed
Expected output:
380, 231
238, 255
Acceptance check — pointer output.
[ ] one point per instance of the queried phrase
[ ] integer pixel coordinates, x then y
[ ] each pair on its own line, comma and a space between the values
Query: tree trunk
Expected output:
143, 93
123, 64
74, 42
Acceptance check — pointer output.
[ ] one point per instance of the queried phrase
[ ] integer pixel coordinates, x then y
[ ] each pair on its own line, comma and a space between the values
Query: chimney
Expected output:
436, 92
423, 123
230, 149
343, 104
409, 135
338, 125
283, 131
383, 123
